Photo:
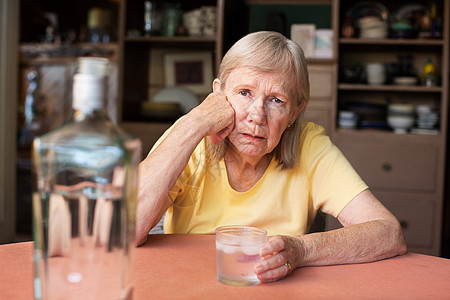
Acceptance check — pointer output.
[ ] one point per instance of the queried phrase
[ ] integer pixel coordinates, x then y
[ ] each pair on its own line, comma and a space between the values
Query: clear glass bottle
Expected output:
84, 202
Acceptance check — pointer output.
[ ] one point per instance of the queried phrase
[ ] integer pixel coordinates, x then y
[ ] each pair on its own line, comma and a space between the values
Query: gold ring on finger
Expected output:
288, 265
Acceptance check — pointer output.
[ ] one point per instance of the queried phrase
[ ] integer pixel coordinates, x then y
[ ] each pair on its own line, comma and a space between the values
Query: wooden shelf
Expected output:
387, 135
168, 39
54, 54
293, 2
405, 42
388, 88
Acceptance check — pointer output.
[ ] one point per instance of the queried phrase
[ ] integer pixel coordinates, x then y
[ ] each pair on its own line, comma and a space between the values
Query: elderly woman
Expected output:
244, 156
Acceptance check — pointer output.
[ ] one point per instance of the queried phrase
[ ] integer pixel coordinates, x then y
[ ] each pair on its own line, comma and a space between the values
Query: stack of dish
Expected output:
373, 18
376, 73
201, 21
402, 29
371, 27
406, 20
426, 118
400, 117
370, 115
348, 119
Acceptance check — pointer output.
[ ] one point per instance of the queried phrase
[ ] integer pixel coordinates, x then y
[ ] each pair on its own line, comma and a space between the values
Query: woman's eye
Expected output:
244, 93
277, 100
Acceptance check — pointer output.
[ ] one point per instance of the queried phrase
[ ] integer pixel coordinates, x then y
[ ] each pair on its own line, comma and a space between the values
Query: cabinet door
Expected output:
319, 115
415, 212
322, 85
322, 80
393, 165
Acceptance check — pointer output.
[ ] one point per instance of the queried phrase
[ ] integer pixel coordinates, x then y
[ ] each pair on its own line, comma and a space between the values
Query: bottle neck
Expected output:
88, 93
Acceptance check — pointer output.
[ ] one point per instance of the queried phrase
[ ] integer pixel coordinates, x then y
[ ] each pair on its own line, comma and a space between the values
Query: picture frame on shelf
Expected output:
304, 35
323, 43
191, 70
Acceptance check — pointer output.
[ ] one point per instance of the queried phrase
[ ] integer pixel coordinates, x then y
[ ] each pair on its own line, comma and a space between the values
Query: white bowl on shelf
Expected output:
372, 27
423, 109
173, 94
405, 80
401, 108
400, 124
348, 119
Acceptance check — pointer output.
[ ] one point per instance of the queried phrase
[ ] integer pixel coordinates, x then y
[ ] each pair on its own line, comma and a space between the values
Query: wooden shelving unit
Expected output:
405, 171
141, 68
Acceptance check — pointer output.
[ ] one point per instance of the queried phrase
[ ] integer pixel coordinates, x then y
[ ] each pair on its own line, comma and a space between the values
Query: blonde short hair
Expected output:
269, 52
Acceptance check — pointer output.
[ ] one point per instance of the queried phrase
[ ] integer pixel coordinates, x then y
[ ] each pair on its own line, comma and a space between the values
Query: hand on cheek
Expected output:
221, 135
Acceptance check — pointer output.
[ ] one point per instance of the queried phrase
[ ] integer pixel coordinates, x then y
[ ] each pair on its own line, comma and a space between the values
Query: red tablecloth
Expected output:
184, 267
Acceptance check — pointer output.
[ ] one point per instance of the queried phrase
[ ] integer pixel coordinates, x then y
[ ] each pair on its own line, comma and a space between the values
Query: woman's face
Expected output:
262, 108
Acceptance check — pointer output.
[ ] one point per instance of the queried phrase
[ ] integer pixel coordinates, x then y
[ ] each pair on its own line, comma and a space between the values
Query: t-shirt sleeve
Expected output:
333, 181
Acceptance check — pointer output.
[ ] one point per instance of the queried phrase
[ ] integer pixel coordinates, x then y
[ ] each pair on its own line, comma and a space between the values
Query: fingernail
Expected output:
263, 252
258, 269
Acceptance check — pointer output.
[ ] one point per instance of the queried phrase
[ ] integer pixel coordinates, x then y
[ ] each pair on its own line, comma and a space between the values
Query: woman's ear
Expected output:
216, 86
298, 110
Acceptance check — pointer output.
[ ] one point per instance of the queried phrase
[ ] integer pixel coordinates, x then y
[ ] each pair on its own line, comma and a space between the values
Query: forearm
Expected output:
359, 243
158, 174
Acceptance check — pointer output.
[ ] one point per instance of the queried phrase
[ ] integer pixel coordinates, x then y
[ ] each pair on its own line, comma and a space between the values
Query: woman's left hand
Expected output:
282, 254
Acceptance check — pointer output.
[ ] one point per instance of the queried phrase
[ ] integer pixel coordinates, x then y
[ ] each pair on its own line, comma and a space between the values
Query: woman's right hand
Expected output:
216, 116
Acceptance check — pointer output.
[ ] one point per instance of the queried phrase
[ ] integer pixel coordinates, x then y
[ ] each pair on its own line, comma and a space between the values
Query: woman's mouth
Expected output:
253, 137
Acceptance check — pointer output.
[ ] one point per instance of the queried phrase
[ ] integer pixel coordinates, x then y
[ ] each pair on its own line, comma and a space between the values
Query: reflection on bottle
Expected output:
35, 122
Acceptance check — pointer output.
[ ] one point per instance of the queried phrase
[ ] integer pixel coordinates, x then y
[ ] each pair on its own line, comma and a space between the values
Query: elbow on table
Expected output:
399, 247
141, 240
402, 247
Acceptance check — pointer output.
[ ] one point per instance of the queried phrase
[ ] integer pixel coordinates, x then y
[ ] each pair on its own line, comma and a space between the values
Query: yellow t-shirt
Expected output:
282, 202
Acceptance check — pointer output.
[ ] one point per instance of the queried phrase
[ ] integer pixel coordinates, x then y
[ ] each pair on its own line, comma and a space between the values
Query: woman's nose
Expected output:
256, 111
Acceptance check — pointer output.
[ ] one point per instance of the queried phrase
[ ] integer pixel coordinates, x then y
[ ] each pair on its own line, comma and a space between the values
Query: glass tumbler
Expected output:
237, 252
